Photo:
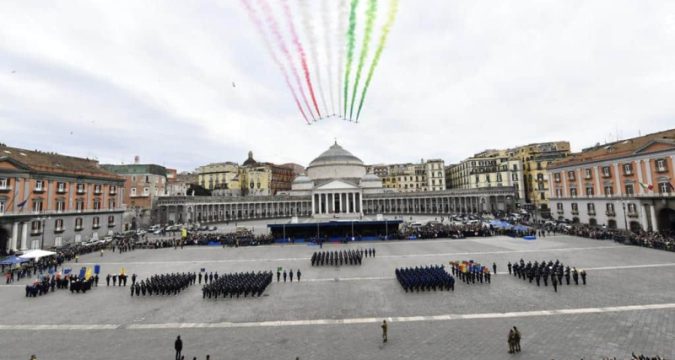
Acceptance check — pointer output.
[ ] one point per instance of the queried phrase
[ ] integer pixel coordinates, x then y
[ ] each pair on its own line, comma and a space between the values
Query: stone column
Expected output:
652, 214
24, 236
15, 236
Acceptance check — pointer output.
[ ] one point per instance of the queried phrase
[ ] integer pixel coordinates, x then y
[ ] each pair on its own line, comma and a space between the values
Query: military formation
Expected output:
341, 257
238, 284
164, 284
425, 278
471, 272
544, 272
49, 283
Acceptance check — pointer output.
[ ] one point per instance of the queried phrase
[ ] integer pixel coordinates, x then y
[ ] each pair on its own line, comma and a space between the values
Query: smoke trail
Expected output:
370, 19
342, 25
380, 47
311, 38
259, 26
350, 51
274, 27
328, 46
301, 52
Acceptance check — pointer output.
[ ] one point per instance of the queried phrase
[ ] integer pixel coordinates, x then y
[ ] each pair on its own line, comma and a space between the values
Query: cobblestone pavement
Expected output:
334, 312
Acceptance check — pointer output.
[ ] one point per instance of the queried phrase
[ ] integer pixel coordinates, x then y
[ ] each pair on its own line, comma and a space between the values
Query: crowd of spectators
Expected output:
657, 240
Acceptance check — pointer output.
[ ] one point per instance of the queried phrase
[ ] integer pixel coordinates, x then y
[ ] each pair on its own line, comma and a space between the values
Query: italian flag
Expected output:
646, 186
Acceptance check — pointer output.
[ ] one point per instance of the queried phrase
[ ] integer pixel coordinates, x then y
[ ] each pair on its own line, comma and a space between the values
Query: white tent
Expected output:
36, 254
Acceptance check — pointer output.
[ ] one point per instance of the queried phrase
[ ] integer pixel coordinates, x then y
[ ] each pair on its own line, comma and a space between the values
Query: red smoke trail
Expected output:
274, 27
301, 51
259, 26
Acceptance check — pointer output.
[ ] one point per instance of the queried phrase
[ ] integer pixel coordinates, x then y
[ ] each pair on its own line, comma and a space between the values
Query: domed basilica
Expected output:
336, 181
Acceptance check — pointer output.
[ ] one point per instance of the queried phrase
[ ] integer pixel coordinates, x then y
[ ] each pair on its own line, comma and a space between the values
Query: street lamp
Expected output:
625, 222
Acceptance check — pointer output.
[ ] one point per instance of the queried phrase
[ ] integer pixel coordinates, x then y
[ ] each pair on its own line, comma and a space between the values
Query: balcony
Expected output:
96, 226
112, 192
575, 212
39, 190
5, 188
632, 214
78, 228
610, 213
112, 224
591, 212
98, 192
36, 231
661, 169
59, 230
561, 211
61, 191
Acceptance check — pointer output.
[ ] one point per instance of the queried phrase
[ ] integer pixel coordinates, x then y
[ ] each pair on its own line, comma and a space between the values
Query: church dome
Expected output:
336, 163
301, 179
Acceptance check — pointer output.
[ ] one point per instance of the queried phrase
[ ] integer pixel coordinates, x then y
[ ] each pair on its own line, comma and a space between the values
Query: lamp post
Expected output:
44, 222
625, 222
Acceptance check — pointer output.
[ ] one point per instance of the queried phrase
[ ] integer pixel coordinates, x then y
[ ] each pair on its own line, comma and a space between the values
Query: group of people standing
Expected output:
553, 271
341, 257
425, 278
471, 272
253, 283
164, 284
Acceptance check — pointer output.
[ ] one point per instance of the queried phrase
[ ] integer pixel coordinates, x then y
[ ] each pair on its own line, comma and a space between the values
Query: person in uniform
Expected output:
509, 266
285, 275
384, 330
290, 274
107, 280
516, 339
494, 268
511, 341
178, 346
299, 274
583, 276
278, 274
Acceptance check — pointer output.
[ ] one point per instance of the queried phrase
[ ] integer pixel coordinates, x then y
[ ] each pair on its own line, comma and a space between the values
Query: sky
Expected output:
186, 83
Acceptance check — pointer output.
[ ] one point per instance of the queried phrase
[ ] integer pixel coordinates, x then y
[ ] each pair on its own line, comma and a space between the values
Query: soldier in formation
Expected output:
164, 284
548, 271
238, 284
425, 278
340, 257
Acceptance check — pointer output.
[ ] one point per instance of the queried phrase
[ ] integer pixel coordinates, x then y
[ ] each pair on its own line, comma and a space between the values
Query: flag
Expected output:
122, 272
22, 204
87, 274
646, 186
670, 187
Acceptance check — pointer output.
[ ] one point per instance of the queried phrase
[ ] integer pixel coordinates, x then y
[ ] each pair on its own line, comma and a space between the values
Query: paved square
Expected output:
334, 313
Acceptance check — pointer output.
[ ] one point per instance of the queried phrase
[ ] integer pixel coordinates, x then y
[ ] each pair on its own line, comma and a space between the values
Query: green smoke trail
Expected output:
370, 19
350, 50
380, 47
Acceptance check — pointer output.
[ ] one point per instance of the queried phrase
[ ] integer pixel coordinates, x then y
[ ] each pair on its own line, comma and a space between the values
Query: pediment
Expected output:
337, 185
9, 164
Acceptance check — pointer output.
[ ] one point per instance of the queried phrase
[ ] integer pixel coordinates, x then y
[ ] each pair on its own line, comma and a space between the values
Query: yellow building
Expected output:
535, 159
423, 176
217, 175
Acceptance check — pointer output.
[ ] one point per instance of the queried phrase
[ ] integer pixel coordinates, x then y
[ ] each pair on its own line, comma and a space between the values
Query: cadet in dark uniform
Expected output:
494, 268
285, 275
299, 274
290, 274
107, 280
278, 275
384, 330
583, 276
509, 266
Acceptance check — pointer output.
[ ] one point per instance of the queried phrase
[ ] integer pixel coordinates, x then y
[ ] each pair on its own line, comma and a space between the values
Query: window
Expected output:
39, 185
558, 193
575, 208
559, 206
543, 196
58, 225
556, 177
499, 177
606, 172
629, 189
111, 220
487, 177
588, 173
573, 192
609, 190
133, 178
37, 206
591, 208
515, 167
2, 206
661, 165
589, 190
95, 223
97, 204
628, 169
4, 183
570, 175
111, 204
97, 189
80, 188
514, 177
632, 209
664, 187
60, 187
35, 227
146, 191
113, 190
610, 209
78, 223
147, 179
58, 241
60, 205
133, 191
79, 205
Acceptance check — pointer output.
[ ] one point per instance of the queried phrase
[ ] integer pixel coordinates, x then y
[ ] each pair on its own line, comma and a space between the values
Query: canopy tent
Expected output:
11, 260
520, 228
36, 254
499, 224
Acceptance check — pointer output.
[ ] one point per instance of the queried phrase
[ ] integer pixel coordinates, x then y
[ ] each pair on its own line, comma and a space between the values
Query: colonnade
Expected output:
435, 204
337, 203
